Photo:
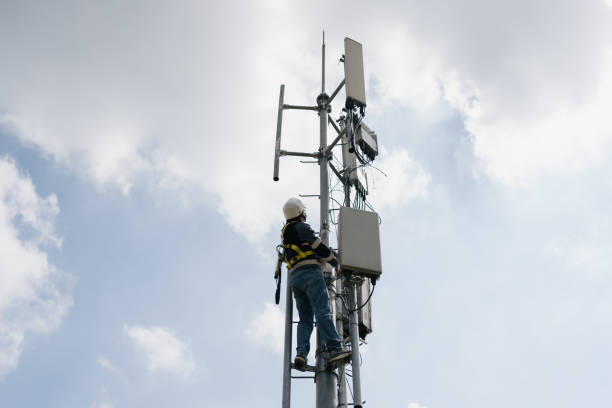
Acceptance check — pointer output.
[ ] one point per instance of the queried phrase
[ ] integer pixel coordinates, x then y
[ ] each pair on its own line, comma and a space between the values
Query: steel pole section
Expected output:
345, 162
327, 382
286, 401
340, 327
351, 284
342, 395
354, 328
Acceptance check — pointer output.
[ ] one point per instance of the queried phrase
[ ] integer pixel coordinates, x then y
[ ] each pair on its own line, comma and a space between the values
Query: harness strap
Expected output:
285, 227
300, 254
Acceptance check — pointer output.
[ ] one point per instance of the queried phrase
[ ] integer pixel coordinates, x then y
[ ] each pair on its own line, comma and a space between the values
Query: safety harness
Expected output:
282, 257
300, 254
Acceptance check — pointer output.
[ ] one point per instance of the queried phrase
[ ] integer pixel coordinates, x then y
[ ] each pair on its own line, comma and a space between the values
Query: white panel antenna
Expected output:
353, 73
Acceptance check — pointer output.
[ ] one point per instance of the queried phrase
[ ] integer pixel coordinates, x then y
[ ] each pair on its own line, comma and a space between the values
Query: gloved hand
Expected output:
334, 262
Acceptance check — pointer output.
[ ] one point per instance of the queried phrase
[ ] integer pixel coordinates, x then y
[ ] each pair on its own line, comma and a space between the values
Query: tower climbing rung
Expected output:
310, 368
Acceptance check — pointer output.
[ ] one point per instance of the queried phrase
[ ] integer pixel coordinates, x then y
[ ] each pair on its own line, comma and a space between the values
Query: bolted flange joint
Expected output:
323, 102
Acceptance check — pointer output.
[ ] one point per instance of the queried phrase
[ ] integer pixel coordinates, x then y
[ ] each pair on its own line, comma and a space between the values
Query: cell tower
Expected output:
351, 287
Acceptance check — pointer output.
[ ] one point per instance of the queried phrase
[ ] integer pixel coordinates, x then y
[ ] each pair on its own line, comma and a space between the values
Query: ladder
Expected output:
323, 364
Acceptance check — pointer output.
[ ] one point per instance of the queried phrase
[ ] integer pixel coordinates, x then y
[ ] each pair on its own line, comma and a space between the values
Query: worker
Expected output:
303, 252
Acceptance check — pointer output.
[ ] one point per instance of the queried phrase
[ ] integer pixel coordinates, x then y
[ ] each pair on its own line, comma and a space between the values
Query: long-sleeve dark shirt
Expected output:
300, 234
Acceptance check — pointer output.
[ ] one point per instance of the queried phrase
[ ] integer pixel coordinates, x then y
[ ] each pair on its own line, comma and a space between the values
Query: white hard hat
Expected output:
293, 208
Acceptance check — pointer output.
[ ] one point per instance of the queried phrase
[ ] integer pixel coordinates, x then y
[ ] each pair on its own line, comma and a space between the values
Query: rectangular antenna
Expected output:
353, 73
279, 125
359, 242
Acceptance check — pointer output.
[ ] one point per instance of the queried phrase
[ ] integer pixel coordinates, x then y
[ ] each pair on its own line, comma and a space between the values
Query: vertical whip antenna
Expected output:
323, 65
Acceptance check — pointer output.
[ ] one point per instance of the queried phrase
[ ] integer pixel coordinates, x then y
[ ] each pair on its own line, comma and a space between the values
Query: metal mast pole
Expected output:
352, 284
328, 391
326, 381
354, 325
286, 402
345, 162
342, 395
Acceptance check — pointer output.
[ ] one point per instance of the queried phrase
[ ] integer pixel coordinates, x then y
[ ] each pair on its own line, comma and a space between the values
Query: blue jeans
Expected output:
312, 300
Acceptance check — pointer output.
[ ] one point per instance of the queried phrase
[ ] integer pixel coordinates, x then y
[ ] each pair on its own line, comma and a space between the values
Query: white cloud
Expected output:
415, 405
33, 299
163, 350
105, 401
588, 253
516, 147
104, 363
533, 86
175, 110
168, 109
594, 259
405, 180
405, 69
267, 329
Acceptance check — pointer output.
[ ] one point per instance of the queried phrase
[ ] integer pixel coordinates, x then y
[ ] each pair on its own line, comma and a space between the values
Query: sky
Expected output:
138, 216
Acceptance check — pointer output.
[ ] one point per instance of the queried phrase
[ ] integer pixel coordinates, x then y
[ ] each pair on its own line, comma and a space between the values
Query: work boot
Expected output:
300, 362
338, 354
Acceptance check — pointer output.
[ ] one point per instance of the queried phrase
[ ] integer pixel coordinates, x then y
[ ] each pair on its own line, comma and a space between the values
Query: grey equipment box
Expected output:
359, 242
364, 315
350, 160
367, 141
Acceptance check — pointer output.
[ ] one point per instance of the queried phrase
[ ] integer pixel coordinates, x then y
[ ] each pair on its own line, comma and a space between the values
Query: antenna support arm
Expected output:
337, 139
333, 95
299, 107
300, 154
337, 173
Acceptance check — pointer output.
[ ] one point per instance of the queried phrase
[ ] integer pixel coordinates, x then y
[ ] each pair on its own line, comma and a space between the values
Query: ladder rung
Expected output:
306, 368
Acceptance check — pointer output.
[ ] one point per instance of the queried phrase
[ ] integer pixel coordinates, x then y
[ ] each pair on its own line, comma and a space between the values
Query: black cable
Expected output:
363, 161
350, 389
367, 300
341, 296
355, 151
